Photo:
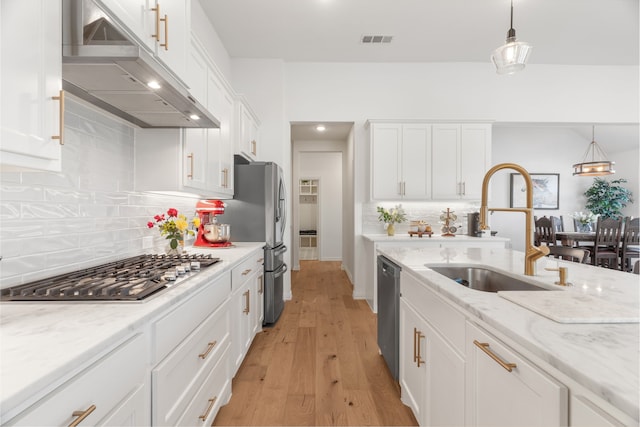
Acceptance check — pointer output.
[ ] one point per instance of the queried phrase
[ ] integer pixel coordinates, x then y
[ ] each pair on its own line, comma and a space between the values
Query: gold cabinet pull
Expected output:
208, 350
206, 414
157, 11
225, 178
60, 136
246, 302
190, 174
254, 147
419, 360
166, 32
485, 347
81, 415
260, 260
261, 285
247, 271
415, 334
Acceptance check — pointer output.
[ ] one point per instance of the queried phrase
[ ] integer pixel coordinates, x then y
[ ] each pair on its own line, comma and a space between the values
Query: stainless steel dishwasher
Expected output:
389, 313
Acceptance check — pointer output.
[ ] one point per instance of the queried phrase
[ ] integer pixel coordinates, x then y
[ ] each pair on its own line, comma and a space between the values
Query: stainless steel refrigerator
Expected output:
258, 212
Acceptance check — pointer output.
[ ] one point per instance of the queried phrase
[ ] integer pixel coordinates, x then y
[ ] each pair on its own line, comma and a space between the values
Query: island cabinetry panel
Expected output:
585, 413
505, 389
246, 306
400, 160
462, 155
431, 370
113, 389
189, 343
32, 118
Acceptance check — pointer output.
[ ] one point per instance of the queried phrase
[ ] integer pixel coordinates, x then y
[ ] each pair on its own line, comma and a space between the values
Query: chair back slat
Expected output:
544, 232
569, 253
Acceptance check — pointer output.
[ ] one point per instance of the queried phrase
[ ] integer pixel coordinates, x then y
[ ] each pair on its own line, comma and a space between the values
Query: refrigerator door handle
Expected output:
279, 272
279, 251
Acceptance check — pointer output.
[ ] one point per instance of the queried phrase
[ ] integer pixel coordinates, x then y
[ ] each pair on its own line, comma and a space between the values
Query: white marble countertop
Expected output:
603, 358
437, 237
45, 343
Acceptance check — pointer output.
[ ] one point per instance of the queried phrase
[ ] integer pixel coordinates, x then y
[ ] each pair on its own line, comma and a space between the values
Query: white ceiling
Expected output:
586, 32
581, 32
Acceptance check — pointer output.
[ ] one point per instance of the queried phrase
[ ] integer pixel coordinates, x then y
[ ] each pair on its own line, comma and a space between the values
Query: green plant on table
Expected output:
393, 215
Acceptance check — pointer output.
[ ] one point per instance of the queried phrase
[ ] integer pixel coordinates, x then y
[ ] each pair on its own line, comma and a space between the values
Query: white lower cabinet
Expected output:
113, 391
191, 342
431, 370
505, 389
246, 307
585, 413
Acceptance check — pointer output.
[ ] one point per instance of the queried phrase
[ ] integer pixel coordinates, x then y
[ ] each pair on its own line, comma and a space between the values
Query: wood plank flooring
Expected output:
319, 365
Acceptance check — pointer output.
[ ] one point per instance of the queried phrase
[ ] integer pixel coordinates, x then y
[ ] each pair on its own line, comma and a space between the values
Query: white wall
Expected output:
88, 214
461, 91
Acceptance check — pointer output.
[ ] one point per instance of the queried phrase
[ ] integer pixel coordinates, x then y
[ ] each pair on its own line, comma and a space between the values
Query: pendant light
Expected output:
512, 56
595, 161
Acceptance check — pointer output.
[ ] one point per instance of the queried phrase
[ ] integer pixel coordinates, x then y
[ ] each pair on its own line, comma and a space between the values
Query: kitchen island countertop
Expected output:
46, 343
603, 358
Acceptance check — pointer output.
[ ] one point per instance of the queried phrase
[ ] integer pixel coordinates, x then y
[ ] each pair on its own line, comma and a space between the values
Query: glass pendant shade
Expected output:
595, 161
511, 57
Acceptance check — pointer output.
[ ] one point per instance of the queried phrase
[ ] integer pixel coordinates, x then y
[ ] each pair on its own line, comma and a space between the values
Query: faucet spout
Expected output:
532, 252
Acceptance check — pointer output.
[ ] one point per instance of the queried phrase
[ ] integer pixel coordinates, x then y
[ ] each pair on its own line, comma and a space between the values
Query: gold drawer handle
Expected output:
261, 286
157, 34
246, 302
209, 348
247, 271
419, 360
485, 347
60, 137
260, 260
190, 174
81, 415
166, 32
206, 414
254, 146
415, 355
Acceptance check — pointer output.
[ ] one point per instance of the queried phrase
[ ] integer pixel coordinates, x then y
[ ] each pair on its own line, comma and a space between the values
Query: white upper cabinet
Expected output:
163, 26
32, 119
400, 155
247, 128
462, 155
428, 161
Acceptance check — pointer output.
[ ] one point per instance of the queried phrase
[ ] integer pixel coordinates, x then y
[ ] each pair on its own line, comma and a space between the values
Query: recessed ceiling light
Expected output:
320, 128
194, 117
154, 84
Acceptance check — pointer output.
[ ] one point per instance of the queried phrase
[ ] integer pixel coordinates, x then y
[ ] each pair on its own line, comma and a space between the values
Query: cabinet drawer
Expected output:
178, 377
107, 384
170, 330
246, 268
215, 392
445, 319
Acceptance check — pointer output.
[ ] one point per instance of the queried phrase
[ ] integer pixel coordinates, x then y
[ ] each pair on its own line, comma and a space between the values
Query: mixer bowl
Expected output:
217, 233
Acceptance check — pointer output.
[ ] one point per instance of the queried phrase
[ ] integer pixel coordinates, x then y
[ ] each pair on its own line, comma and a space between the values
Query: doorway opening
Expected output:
323, 202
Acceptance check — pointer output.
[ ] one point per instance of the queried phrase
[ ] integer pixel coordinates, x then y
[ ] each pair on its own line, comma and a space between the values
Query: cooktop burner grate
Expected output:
130, 279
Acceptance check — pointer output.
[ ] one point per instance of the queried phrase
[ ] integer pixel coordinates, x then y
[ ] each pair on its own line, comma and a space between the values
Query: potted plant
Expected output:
391, 216
607, 198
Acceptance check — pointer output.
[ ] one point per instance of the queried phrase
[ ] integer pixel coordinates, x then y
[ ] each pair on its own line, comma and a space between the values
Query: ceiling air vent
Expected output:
375, 39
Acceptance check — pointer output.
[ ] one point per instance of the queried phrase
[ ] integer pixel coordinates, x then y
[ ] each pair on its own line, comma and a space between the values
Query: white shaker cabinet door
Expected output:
416, 162
475, 159
505, 389
445, 154
413, 369
386, 141
32, 122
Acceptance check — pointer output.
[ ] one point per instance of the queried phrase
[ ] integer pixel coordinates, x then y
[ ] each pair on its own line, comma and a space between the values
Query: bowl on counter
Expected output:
217, 233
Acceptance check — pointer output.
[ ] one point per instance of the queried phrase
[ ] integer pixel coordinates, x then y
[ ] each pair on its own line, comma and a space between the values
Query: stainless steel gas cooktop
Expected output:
131, 279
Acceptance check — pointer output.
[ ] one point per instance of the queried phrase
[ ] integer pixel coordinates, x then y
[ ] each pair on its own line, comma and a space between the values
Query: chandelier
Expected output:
595, 161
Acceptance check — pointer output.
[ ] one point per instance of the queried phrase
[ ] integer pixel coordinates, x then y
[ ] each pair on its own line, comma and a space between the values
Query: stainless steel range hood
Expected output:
105, 66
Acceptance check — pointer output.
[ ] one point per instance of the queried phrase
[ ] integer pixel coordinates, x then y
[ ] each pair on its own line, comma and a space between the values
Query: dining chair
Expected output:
568, 253
544, 232
630, 243
558, 222
607, 243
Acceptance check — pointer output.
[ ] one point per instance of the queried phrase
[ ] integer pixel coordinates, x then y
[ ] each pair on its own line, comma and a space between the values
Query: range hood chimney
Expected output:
105, 66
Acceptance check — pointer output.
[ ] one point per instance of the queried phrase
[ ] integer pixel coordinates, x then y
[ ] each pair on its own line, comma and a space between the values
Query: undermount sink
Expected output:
485, 280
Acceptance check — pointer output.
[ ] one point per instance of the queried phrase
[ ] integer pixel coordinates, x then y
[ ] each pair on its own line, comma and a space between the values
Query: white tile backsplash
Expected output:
53, 223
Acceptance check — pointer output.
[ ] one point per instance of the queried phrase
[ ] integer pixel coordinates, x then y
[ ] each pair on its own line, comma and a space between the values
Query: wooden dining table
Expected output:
571, 238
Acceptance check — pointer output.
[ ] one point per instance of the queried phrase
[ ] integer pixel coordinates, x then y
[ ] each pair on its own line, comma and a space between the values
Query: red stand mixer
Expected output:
210, 233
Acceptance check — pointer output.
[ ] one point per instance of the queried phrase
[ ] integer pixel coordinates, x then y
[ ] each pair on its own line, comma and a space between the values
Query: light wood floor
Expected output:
319, 365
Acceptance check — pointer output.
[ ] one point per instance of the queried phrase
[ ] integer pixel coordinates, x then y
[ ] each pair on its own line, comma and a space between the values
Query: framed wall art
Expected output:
546, 191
